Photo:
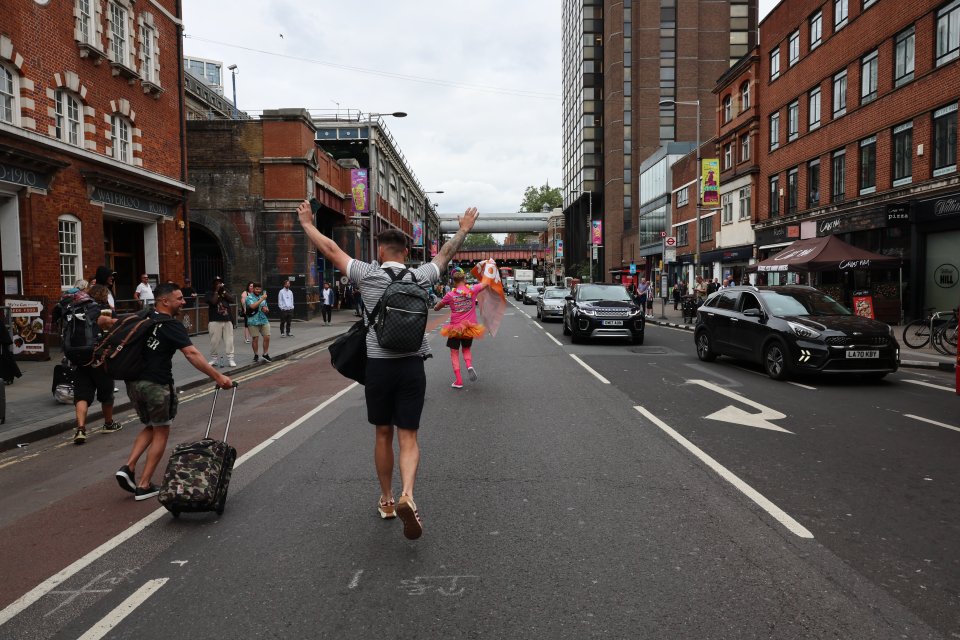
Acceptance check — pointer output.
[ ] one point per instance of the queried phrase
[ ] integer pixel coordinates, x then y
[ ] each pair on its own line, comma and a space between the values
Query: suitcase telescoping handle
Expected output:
226, 429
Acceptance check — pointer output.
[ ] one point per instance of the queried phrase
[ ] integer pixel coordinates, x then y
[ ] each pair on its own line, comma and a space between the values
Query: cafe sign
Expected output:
26, 327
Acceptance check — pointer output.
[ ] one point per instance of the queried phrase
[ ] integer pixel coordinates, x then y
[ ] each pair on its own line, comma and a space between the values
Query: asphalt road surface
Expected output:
600, 490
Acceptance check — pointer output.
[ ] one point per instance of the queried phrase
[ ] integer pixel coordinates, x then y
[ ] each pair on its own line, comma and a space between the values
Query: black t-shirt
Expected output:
161, 344
190, 296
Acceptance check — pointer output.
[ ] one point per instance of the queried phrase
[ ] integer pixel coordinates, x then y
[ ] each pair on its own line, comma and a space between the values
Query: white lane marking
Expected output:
587, 367
15, 608
124, 609
931, 385
934, 422
356, 579
559, 344
778, 514
802, 386
736, 415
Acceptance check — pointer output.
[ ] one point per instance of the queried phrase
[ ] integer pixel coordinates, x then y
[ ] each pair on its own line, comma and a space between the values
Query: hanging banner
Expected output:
418, 234
433, 249
359, 187
710, 195
559, 248
596, 238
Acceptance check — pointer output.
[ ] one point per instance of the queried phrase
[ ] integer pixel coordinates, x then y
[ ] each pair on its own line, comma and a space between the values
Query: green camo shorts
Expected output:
156, 404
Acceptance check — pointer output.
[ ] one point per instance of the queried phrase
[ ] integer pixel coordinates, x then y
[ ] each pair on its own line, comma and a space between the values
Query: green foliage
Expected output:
480, 240
535, 197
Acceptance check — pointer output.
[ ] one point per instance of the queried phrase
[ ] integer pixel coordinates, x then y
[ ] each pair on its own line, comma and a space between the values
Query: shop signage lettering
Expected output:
898, 213
946, 207
131, 202
854, 264
23, 177
829, 225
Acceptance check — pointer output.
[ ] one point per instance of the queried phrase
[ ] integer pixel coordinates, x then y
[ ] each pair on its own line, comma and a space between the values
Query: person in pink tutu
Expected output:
463, 327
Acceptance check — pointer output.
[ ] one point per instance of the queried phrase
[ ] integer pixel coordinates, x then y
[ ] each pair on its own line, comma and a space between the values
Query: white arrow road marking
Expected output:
929, 421
781, 516
736, 415
124, 609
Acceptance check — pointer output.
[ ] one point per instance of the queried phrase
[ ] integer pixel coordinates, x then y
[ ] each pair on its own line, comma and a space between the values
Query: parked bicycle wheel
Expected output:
945, 338
917, 334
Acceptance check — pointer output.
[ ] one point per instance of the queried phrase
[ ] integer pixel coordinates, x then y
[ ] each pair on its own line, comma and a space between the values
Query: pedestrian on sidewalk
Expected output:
677, 294
285, 302
463, 327
220, 325
326, 307
144, 292
90, 383
153, 395
395, 382
255, 305
105, 276
242, 312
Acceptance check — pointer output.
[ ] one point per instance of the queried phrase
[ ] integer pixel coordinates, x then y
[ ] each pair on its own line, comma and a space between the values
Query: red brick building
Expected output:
858, 117
91, 145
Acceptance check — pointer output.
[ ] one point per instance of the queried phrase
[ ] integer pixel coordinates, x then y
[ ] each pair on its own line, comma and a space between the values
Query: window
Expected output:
68, 123
816, 29
727, 156
120, 139
706, 229
902, 154
948, 33
813, 109
793, 184
9, 94
903, 58
683, 197
838, 177
745, 148
148, 56
793, 121
118, 33
682, 235
727, 109
726, 204
813, 183
794, 48
86, 25
774, 130
945, 140
839, 14
839, 94
868, 78
868, 165
744, 203
775, 64
745, 96
70, 251
774, 196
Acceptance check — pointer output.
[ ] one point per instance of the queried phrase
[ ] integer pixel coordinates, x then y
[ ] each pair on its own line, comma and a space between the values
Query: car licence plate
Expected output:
613, 323
863, 354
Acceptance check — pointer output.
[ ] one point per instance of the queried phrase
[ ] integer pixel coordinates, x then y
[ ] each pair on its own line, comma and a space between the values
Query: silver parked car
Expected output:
551, 303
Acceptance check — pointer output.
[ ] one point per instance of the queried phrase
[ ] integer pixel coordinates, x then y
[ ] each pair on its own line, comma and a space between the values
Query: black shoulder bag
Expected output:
348, 353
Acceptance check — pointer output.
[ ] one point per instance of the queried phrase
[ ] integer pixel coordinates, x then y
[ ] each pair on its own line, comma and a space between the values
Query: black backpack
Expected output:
400, 319
119, 353
80, 331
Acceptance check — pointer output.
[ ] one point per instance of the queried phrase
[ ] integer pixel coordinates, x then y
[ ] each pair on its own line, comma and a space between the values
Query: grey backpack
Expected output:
400, 317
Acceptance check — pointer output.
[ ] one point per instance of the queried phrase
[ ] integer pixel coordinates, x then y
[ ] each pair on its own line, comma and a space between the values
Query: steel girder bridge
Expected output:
518, 256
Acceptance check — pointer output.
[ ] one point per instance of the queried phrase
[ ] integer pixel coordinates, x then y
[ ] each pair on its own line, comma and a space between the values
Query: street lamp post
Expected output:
233, 75
373, 201
663, 103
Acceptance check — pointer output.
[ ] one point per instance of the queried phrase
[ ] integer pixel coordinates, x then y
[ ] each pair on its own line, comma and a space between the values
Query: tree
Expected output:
480, 240
535, 197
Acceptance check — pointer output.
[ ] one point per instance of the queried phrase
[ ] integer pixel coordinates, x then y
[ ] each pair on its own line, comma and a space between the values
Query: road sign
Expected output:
670, 241
663, 234
670, 255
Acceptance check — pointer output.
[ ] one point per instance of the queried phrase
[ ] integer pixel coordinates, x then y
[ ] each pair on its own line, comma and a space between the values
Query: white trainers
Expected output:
232, 362
215, 362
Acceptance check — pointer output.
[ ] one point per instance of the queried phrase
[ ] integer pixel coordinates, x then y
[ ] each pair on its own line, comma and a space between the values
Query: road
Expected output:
573, 491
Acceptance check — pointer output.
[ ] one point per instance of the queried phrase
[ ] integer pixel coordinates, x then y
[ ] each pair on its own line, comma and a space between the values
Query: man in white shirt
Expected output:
144, 292
285, 302
326, 298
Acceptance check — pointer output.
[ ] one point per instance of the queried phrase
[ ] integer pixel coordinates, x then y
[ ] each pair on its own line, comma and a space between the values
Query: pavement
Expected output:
33, 414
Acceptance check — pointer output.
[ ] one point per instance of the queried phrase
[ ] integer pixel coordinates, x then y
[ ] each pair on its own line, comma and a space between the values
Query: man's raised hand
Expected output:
468, 219
305, 213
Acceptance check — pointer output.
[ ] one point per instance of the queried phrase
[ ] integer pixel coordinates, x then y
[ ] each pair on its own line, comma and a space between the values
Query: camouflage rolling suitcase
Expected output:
198, 474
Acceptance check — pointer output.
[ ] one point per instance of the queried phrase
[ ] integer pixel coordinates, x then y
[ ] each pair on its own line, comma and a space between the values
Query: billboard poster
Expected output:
359, 190
559, 248
596, 237
433, 248
418, 234
26, 329
711, 182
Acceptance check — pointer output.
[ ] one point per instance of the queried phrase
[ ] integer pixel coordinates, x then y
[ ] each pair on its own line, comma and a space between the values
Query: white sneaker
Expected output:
214, 362
232, 362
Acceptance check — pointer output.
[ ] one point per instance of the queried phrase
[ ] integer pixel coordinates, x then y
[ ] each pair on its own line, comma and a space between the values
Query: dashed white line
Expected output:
356, 579
778, 514
802, 386
931, 385
592, 372
124, 609
559, 344
934, 422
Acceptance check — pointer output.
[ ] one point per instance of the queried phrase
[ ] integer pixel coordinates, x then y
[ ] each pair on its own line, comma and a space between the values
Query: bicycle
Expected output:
944, 337
917, 333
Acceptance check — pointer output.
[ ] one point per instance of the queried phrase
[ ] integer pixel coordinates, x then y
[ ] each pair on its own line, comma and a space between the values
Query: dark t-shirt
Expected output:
218, 306
190, 296
160, 346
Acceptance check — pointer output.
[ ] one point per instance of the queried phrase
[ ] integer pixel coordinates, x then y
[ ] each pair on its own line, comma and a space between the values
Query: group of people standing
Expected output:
252, 313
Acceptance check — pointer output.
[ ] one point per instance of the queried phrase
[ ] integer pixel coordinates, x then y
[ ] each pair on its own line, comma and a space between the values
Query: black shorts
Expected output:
90, 383
458, 343
395, 389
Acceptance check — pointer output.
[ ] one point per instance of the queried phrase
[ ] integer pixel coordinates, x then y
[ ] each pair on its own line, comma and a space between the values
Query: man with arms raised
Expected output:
395, 382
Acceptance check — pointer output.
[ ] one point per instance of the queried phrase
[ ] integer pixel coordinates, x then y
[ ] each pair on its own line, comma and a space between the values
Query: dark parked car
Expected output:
531, 293
603, 310
521, 287
793, 330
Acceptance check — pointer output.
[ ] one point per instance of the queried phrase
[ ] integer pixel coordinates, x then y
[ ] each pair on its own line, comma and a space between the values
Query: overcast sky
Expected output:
481, 81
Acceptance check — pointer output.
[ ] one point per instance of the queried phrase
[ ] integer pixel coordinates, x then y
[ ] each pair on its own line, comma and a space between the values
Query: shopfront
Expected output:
935, 224
770, 241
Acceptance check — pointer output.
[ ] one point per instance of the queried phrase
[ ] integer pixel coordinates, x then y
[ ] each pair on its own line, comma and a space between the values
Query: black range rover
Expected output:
602, 310
791, 330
